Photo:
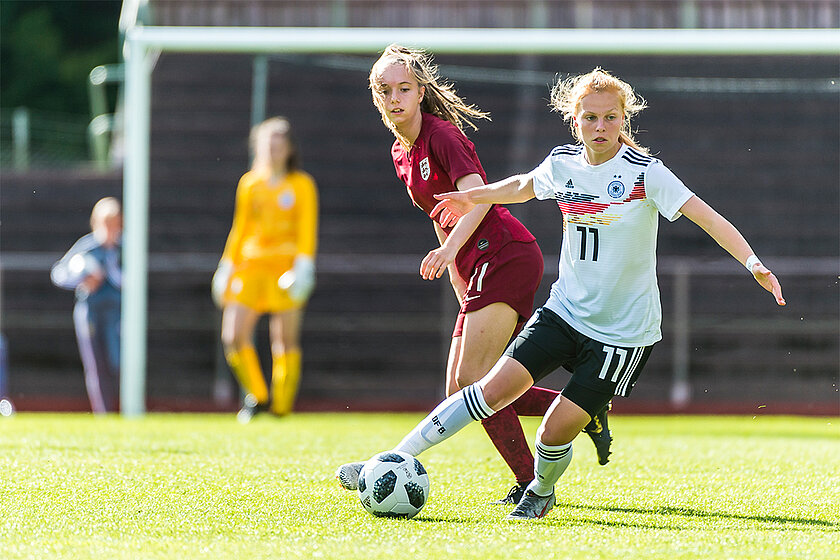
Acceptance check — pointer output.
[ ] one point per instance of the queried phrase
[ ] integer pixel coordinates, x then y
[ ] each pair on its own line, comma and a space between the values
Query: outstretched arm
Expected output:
438, 260
455, 279
519, 188
230, 255
728, 237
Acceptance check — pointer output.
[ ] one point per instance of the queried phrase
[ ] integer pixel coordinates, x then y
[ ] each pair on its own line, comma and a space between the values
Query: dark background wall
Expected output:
755, 137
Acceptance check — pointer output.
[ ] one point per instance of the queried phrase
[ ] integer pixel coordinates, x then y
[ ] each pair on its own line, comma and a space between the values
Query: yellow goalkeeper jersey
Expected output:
273, 223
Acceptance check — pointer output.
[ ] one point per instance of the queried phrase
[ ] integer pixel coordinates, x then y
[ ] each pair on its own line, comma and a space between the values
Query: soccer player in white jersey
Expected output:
603, 315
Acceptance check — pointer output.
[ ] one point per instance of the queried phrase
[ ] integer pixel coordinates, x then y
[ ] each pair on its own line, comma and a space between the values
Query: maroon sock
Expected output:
506, 433
534, 402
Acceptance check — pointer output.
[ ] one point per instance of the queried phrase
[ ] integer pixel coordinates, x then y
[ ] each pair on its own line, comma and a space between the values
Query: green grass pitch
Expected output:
202, 486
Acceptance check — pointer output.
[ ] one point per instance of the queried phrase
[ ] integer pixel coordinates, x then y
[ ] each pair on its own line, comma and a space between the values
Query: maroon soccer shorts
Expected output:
511, 275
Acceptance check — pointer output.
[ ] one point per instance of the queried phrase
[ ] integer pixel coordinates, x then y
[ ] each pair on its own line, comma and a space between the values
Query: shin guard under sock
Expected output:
246, 368
505, 431
549, 463
285, 378
450, 416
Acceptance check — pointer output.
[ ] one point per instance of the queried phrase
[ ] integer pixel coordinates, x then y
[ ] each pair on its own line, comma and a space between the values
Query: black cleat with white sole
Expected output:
599, 432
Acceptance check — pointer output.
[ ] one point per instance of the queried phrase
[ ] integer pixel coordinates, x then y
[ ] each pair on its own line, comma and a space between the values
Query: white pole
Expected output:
369, 40
20, 138
681, 354
259, 89
135, 232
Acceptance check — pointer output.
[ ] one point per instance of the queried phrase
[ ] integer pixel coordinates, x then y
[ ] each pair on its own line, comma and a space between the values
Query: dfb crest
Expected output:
616, 189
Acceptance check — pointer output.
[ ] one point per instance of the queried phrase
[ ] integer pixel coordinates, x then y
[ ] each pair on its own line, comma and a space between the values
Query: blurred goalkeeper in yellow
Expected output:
268, 266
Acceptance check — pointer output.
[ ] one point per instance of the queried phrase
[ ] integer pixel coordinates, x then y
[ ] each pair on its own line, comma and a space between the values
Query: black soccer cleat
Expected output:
513, 496
598, 430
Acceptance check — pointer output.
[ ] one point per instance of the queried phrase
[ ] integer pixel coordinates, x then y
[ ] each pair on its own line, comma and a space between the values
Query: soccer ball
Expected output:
393, 484
83, 265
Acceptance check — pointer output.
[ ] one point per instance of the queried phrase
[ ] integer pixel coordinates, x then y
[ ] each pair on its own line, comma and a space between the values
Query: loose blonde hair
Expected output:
108, 207
440, 98
261, 145
567, 94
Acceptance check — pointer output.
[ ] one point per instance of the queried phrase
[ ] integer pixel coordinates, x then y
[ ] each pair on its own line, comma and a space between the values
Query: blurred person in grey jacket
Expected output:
92, 268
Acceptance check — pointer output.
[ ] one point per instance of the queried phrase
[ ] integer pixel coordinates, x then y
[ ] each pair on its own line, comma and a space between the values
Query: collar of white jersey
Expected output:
621, 151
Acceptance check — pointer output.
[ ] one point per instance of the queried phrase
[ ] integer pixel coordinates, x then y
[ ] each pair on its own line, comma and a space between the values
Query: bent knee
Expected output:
464, 380
474, 368
466, 376
556, 436
494, 399
232, 341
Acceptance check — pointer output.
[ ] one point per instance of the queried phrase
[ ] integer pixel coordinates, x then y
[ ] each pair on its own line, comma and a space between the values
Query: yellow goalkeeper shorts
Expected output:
257, 287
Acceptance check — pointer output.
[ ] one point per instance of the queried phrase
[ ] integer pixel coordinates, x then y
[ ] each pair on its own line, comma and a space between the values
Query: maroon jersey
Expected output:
440, 156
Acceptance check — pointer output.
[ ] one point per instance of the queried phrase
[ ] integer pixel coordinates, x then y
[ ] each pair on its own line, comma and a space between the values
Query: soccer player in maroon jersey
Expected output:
494, 263
601, 330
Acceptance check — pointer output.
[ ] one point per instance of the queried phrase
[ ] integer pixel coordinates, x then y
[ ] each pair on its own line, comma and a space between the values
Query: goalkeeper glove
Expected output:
220, 282
300, 280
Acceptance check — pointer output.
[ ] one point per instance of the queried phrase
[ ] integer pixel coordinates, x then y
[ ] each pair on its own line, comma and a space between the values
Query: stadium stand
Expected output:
375, 334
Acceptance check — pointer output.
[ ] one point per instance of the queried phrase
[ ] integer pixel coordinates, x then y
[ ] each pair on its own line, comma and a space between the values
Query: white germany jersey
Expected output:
606, 288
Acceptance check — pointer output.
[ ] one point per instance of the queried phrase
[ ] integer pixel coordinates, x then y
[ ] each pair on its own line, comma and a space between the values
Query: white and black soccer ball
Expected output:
83, 265
393, 484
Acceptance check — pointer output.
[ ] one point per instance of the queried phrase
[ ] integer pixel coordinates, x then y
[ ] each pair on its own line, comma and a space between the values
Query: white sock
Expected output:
454, 413
550, 461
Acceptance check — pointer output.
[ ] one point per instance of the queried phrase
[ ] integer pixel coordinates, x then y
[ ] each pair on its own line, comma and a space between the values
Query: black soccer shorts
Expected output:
547, 343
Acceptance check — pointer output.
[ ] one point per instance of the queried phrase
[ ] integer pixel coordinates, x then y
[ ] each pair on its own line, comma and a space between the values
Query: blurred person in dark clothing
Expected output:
92, 268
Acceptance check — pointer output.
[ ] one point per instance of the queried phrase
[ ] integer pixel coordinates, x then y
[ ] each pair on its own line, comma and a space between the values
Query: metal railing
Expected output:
677, 273
30, 137
104, 121
686, 14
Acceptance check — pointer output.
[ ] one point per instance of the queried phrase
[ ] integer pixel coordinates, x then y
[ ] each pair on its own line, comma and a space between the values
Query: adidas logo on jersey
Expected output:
569, 184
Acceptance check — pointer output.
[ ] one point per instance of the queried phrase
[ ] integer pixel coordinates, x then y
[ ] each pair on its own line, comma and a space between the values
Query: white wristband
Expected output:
752, 260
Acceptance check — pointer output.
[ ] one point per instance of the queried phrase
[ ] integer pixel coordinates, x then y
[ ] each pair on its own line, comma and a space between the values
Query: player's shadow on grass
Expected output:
450, 520
799, 523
